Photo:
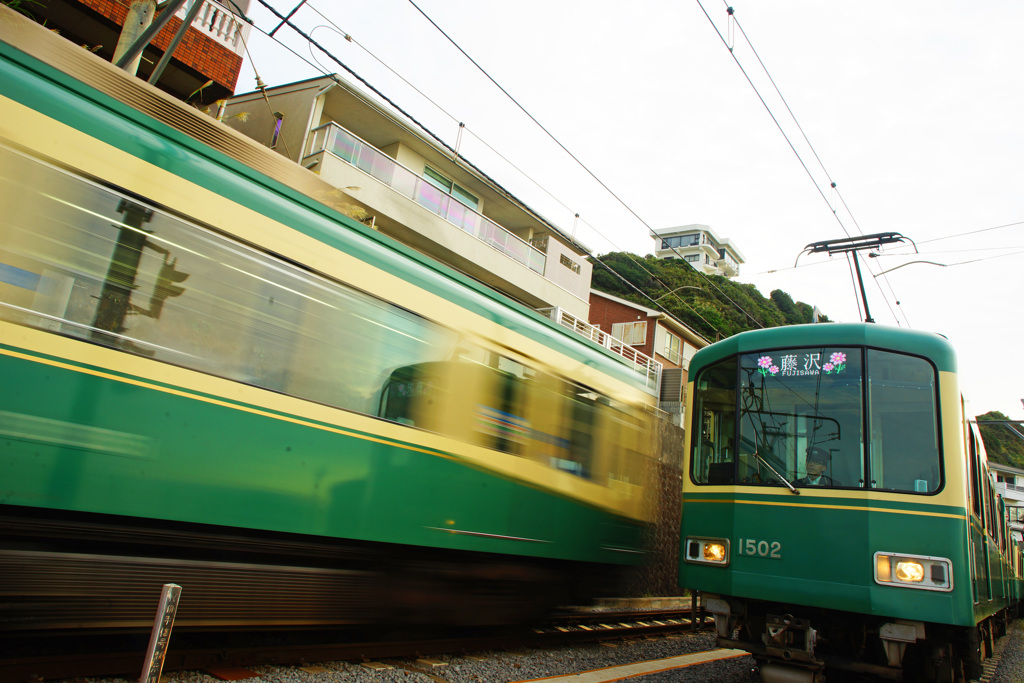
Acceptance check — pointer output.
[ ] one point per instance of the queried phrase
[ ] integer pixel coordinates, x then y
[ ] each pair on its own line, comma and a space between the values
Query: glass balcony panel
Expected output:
405, 182
365, 157
432, 198
472, 223
382, 167
517, 250
458, 214
537, 260
342, 144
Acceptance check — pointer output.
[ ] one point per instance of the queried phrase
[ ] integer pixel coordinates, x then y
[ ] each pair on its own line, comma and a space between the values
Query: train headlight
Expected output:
714, 552
706, 551
914, 571
910, 572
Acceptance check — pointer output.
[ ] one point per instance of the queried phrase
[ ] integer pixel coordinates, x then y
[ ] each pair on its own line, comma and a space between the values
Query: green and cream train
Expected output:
839, 515
210, 378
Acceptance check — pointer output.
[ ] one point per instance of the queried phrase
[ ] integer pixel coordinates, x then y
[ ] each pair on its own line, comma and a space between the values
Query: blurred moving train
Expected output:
213, 379
898, 562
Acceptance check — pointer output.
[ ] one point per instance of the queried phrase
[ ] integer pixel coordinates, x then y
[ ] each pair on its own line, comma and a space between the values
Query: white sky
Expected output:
915, 109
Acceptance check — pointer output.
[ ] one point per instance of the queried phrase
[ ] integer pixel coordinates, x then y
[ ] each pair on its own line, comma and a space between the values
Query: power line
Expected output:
834, 187
972, 232
452, 117
287, 21
572, 156
333, 26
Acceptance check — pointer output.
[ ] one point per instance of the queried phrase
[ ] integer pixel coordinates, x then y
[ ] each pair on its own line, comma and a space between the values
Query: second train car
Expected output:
839, 515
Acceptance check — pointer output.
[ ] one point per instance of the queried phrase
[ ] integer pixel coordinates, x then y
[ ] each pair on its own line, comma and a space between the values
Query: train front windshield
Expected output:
833, 417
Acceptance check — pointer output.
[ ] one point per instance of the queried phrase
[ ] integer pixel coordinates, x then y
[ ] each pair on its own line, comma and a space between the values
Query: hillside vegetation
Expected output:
713, 306
1001, 443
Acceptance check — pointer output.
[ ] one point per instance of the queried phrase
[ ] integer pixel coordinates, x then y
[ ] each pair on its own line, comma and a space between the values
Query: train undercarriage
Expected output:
64, 572
810, 645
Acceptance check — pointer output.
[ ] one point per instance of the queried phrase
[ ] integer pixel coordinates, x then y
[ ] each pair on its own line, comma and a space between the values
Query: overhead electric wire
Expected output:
451, 116
596, 258
404, 113
832, 183
308, 38
573, 157
812, 264
972, 232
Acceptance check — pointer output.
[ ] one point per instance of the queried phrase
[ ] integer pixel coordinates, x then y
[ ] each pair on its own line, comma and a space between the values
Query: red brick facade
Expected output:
196, 50
605, 312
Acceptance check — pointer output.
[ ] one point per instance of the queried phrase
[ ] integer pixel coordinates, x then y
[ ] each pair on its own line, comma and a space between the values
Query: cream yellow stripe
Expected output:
864, 508
47, 136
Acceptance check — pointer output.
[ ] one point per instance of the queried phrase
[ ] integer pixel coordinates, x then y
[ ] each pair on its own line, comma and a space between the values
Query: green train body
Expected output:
213, 378
897, 560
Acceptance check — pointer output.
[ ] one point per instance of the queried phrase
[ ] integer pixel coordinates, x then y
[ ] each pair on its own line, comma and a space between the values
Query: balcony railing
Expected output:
336, 141
642, 363
219, 23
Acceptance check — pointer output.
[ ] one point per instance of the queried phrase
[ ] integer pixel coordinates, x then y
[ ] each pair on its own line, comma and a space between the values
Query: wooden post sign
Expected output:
161, 634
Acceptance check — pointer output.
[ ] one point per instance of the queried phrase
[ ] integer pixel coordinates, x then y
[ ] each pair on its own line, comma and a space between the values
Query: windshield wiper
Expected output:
777, 475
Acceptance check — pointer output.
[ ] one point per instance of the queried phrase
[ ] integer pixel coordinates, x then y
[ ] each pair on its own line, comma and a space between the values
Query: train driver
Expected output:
817, 463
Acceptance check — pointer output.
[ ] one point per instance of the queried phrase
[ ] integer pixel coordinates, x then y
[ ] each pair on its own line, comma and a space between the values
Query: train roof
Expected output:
929, 345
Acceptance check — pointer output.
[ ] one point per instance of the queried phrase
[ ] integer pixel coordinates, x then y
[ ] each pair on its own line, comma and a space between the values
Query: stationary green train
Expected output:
838, 511
213, 378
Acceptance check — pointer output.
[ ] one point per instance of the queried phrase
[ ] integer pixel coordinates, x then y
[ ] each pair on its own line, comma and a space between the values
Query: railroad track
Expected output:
42, 658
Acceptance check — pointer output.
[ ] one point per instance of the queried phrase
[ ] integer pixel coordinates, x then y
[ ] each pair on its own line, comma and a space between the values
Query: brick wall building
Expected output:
211, 49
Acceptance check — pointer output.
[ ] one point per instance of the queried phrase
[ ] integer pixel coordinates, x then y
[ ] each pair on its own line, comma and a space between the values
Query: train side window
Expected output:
713, 432
100, 266
904, 422
975, 470
625, 435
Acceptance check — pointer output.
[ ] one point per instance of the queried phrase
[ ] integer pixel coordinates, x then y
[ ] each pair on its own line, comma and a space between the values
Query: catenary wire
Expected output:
451, 116
792, 147
810, 146
574, 158
400, 110
582, 248
972, 232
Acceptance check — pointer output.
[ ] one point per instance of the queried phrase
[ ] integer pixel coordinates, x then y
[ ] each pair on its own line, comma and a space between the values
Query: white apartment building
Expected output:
408, 186
699, 246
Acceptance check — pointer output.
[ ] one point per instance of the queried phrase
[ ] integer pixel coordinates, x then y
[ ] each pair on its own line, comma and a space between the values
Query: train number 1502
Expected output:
756, 548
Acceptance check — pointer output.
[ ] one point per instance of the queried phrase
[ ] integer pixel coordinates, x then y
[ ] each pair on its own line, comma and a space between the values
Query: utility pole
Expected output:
141, 26
140, 17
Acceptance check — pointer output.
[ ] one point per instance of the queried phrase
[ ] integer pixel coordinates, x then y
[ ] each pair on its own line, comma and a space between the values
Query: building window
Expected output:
680, 241
692, 258
634, 334
278, 120
569, 263
673, 349
446, 185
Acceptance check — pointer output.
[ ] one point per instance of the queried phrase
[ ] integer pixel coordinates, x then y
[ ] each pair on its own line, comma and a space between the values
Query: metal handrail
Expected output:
332, 139
641, 362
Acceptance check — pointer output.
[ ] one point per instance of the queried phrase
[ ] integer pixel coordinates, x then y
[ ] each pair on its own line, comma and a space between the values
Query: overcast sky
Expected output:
915, 111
